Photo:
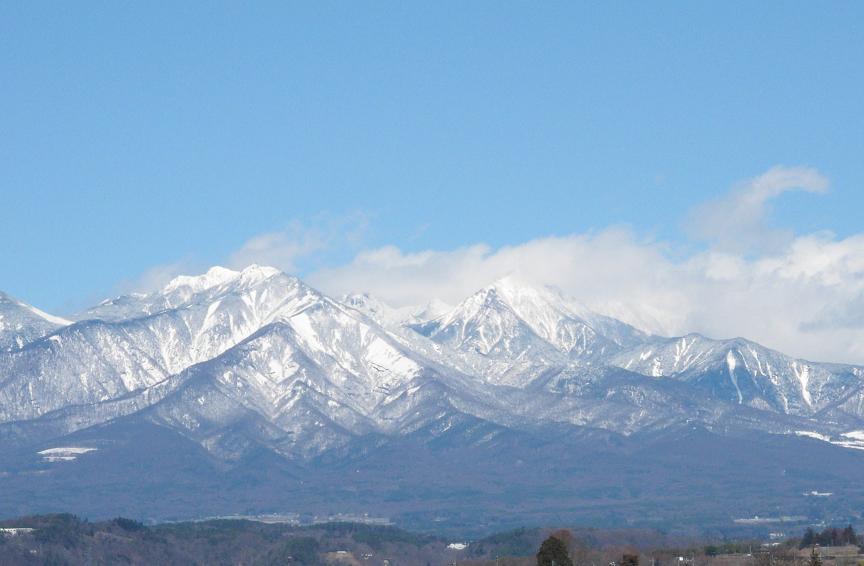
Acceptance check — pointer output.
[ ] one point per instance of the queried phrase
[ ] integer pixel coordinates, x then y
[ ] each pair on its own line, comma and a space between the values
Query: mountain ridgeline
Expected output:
251, 391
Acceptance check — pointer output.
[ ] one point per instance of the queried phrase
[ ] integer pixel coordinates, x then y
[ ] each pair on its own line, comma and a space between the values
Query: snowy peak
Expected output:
218, 278
485, 324
431, 310
21, 323
187, 289
510, 313
377, 310
544, 307
138, 344
395, 317
215, 276
50, 318
512, 288
546, 313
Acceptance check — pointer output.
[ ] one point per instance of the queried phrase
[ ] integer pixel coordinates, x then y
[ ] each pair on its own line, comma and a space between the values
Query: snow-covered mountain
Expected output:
285, 347
508, 317
743, 372
21, 323
208, 352
190, 321
524, 331
251, 362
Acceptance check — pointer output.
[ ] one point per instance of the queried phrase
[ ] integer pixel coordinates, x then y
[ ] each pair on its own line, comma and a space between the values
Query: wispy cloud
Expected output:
280, 249
286, 248
158, 276
737, 221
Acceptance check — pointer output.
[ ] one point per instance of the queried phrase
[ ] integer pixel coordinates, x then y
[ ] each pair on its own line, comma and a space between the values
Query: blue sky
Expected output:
135, 136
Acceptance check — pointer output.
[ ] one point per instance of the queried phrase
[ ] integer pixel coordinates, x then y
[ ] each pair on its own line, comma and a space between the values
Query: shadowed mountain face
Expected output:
250, 391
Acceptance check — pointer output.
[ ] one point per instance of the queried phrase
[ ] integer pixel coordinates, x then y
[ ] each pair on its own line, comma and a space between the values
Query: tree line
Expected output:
832, 536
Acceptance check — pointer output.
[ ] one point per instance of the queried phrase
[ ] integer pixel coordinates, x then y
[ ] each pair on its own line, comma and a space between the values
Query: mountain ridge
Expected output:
256, 361
508, 333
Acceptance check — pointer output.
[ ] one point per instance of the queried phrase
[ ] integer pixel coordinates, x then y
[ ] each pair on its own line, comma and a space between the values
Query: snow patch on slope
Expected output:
803, 375
215, 277
44, 315
64, 453
731, 363
853, 439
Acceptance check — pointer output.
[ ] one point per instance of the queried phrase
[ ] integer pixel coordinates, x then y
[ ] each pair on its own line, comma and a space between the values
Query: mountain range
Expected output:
249, 391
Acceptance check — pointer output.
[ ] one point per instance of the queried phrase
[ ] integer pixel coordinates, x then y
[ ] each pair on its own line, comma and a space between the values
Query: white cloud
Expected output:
596, 264
805, 300
803, 295
298, 241
280, 249
158, 276
737, 220
284, 249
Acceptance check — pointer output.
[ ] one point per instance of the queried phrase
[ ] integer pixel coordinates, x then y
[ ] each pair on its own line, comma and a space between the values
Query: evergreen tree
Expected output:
815, 559
553, 552
849, 536
809, 538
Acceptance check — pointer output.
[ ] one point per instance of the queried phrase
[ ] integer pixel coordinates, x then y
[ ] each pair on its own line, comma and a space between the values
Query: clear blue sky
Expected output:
137, 134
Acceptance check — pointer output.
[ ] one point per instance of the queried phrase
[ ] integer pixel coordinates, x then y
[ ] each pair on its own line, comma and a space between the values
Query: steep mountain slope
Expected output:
311, 381
267, 355
266, 348
181, 291
21, 323
743, 372
523, 330
315, 381
193, 320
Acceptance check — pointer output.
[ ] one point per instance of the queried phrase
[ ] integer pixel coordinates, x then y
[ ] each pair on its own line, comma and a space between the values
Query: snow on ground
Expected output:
64, 453
815, 435
15, 531
49, 317
853, 439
